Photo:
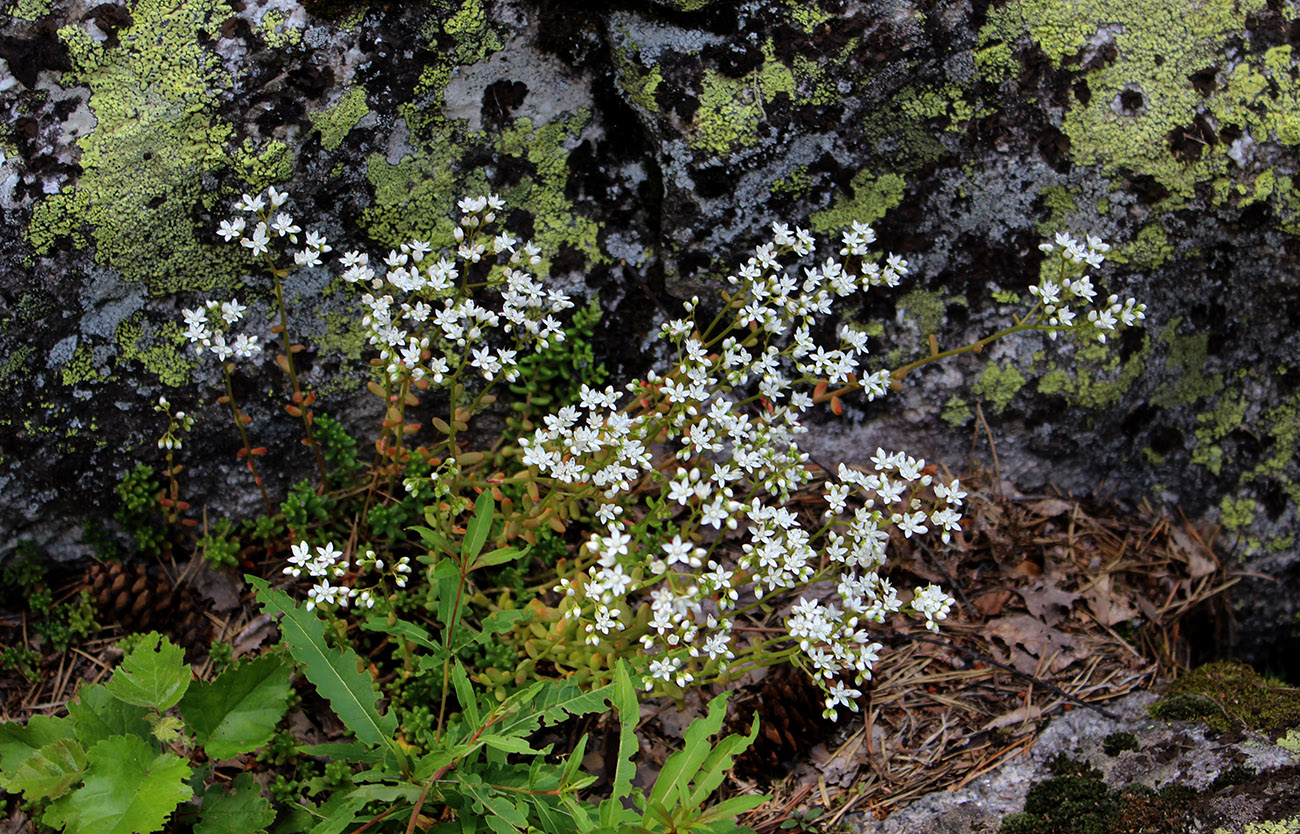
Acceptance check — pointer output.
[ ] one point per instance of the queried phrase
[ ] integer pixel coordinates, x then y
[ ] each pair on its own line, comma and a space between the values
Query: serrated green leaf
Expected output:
719, 762
245, 811
732, 808
19, 742
553, 702
476, 532
571, 764
50, 771
98, 715
337, 814
128, 789
404, 629
154, 674
670, 788
496, 623
499, 556
333, 671
465, 693
508, 744
629, 713
496, 806
238, 711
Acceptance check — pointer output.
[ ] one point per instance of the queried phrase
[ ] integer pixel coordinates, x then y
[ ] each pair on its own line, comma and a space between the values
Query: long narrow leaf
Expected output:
332, 671
476, 532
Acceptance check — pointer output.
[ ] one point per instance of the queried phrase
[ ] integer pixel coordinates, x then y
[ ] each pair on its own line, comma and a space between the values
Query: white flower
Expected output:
231, 229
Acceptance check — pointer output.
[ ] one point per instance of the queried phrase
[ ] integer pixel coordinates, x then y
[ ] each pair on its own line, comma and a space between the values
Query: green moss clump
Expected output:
1225, 692
1117, 743
1077, 801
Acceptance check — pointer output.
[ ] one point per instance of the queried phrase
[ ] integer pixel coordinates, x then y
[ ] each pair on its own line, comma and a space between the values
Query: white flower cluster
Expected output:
207, 326
327, 562
1062, 295
730, 410
267, 228
423, 319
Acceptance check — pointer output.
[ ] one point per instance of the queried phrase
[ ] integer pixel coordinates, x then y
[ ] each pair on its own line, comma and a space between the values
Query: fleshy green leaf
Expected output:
97, 715
238, 711
18, 743
245, 811
154, 674
333, 671
50, 771
128, 789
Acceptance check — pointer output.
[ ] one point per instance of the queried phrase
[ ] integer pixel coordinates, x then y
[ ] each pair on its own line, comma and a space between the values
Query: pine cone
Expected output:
790, 722
129, 597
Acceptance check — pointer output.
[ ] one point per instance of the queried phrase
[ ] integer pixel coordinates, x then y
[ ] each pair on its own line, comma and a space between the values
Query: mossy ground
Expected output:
1228, 693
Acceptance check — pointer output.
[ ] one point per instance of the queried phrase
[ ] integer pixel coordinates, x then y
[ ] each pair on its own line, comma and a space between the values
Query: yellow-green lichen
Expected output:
81, 367
260, 167
277, 32
1236, 513
1061, 208
335, 122
796, 184
956, 412
1290, 826
1056, 382
475, 36
807, 16
1227, 415
32, 9
927, 308
1281, 425
1150, 249
731, 109
161, 349
154, 98
871, 199
556, 221
998, 385
1186, 359
1144, 102
16, 365
947, 103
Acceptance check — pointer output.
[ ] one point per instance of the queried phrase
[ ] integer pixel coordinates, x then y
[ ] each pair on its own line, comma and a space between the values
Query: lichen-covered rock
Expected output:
647, 148
1088, 772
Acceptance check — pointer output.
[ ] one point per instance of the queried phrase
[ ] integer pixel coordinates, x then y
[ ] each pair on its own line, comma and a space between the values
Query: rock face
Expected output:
1233, 785
647, 148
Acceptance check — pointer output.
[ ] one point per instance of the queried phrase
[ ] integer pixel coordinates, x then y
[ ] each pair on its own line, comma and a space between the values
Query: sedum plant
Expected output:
676, 490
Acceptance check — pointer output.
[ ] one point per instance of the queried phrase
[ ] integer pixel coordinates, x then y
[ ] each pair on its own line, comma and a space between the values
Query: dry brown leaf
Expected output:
1016, 716
1049, 507
1192, 553
840, 767
990, 603
1047, 602
1108, 606
1032, 641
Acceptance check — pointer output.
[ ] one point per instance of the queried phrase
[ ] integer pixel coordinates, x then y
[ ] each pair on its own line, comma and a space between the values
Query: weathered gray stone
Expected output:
1169, 753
